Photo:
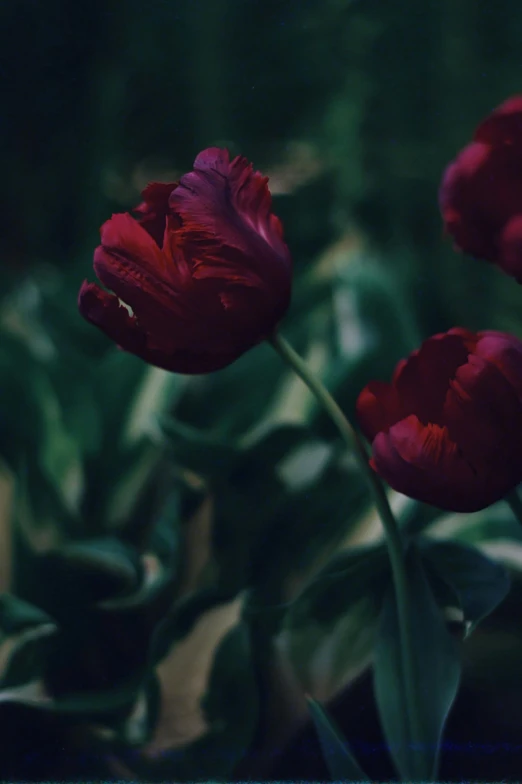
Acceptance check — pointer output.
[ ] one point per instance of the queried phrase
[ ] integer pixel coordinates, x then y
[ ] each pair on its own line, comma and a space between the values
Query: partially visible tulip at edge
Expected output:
447, 430
481, 191
200, 273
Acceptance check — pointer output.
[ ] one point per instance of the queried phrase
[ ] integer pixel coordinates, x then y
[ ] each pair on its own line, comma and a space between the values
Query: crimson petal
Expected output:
423, 463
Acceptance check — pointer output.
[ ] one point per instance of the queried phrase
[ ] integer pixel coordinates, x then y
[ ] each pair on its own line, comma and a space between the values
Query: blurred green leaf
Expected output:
134, 469
338, 757
28, 656
60, 455
307, 522
88, 707
164, 534
230, 705
437, 673
183, 617
279, 442
492, 524
197, 451
21, 422
335, 617
479, 583
17, 615
109, 556
74, 387
267, 512
346, 579
232, 694
31, 422
80, 574
117, 379
41, 518
373, 329
417, 517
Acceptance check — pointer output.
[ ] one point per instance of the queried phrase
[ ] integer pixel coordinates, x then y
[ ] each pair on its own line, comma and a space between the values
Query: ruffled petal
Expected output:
483, 414
422, 381
105, 311
225, 206
154, 209
469, 339
378, 407
425, 464
505, 352
125, 237
130, 264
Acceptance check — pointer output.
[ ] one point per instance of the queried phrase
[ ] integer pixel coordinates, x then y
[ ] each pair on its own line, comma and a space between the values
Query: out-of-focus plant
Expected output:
137, 543
182, 558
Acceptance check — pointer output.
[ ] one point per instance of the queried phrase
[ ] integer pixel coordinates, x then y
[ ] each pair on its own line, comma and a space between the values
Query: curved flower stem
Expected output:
393, 536
513, 499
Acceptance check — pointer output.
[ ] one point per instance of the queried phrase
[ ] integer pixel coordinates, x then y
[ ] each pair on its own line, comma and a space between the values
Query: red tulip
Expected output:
202, 268
448, 429
481, 191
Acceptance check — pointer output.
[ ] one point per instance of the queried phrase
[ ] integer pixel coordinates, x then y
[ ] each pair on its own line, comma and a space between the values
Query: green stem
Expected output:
516, 505
393, 535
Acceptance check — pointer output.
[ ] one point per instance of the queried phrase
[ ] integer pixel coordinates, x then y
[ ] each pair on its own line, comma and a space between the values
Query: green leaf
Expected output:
136, 468
182, 619
17, 615
117, 381
338, 757
437, 674
373, 327
495, 523
306, 523
31, 422
265, 523
21, 422
231, 708
108, 556
40, 521
60, 457
416, 517
28, 656
158, 392
279, 441
345, 580
90, 706
479, 583
335, 617
230, 705
80, 574
197, 451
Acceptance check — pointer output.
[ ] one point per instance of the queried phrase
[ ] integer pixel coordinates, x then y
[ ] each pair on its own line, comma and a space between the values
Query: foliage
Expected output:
161, 535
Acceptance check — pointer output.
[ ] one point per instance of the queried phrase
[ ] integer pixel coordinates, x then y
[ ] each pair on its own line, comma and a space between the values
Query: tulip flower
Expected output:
481, 192
199, 275
447, 430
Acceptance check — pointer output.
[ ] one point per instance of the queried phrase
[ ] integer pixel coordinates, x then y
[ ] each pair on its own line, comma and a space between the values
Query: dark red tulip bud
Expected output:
447, 430
481, 191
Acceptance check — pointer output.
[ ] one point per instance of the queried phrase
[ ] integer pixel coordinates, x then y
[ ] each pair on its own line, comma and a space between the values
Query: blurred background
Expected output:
129, 495
353, 107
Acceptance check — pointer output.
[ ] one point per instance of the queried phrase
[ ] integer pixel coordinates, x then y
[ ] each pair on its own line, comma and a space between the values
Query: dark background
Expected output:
99, 97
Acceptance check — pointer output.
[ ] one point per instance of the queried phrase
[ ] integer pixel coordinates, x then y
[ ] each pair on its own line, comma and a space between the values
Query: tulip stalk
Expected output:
394, 539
